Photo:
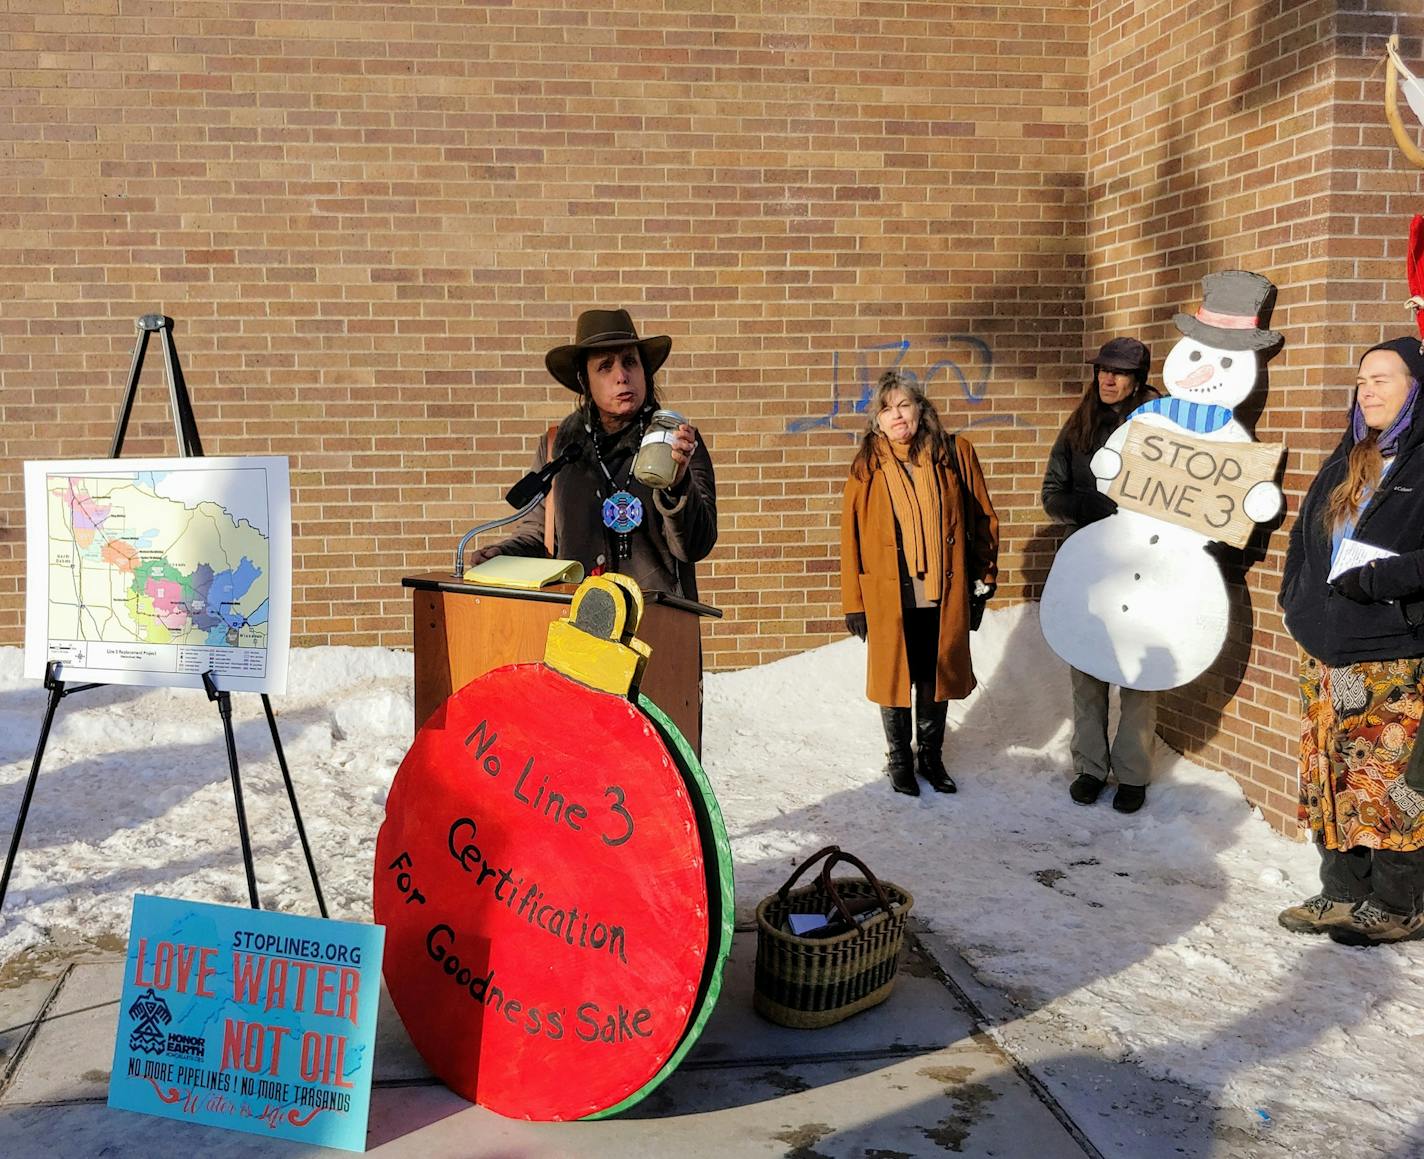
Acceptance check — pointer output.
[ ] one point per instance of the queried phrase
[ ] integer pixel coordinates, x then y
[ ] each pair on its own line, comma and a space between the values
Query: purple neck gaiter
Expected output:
1390, 436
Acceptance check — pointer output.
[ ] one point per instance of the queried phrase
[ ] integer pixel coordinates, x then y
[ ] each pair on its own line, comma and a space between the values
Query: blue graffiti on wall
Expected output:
969, 373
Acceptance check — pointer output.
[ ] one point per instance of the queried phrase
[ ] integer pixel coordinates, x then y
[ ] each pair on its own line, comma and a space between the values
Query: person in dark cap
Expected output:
1070, 495
598, 513
1353, 596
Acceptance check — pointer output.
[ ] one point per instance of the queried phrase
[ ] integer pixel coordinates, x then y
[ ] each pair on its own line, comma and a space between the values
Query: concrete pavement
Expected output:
913, 1077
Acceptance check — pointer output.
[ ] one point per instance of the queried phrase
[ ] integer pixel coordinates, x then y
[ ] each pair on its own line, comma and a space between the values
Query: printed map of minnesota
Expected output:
130, 565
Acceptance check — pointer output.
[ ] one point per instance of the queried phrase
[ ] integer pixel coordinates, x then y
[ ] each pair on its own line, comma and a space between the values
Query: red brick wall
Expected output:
370, 221
1251, 135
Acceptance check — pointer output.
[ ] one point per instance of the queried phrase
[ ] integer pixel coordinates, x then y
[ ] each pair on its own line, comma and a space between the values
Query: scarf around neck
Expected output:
918, 505
1199, 417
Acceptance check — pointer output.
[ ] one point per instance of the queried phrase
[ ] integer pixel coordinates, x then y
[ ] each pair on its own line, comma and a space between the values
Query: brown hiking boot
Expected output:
1370, 924
1315, 915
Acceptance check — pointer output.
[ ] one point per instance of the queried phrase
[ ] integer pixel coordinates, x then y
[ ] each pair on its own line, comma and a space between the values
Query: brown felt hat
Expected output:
600, 330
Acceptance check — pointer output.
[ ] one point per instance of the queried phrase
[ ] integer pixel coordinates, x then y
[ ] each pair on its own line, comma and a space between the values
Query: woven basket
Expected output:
807, 982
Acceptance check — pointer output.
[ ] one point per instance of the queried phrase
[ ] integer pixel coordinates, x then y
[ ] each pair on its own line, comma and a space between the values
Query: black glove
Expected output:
1094, 506
855, 625
1350, 584
976, 608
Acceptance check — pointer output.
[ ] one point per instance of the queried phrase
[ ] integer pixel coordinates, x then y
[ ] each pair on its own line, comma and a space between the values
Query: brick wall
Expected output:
1251, 135
370, 221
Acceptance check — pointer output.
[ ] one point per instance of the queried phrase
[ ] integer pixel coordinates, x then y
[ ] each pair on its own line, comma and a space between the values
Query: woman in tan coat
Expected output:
919, 559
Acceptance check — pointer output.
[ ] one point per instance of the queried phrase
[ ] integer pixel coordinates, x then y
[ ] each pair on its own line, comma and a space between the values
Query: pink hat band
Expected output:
1226, 321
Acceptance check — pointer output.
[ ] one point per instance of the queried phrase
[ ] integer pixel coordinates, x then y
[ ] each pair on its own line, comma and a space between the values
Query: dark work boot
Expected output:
900, 760
929, 744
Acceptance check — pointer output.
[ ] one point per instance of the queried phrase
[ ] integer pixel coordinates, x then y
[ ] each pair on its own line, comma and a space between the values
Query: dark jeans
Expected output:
1394, 879
922, 649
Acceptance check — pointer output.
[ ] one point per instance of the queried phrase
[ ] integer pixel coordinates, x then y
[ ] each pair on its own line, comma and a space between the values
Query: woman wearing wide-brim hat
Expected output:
598, 513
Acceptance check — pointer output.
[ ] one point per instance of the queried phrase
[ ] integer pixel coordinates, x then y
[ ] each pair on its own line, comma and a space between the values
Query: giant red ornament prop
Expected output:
554, 936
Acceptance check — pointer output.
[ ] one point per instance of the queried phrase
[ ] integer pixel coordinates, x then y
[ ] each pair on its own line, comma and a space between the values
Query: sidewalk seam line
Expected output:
982, 1026
12, 1068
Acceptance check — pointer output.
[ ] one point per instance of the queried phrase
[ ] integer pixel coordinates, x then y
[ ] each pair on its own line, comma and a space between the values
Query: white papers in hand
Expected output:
1355, 553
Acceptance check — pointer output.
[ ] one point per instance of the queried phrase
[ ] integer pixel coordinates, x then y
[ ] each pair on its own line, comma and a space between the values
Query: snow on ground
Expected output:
1149, 938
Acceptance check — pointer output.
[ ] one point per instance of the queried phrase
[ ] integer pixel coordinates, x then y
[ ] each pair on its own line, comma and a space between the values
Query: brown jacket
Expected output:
679, 527
870, 576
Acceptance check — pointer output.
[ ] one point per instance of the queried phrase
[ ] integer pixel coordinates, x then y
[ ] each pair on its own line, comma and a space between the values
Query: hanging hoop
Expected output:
1393, 65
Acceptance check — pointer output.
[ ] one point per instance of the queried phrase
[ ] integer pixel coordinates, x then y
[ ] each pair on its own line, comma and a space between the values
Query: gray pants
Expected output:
1131, 754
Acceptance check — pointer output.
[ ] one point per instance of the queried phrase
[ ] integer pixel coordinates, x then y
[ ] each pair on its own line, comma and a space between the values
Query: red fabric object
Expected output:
1416, 266
541, 880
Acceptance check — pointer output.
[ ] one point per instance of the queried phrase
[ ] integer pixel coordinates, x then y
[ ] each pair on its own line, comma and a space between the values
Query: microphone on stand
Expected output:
537, 483
522, 495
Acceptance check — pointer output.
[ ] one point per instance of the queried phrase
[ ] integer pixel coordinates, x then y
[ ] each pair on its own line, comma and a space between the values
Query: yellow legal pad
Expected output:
522, 571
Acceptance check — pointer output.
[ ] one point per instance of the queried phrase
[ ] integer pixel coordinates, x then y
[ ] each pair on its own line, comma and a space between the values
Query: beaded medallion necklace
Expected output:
622, 511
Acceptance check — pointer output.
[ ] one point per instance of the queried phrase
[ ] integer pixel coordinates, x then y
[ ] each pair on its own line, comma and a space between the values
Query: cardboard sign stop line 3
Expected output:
554, 879
1199, 484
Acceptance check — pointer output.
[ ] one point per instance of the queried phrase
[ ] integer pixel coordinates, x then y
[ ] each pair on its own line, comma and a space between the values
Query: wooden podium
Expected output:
463, 630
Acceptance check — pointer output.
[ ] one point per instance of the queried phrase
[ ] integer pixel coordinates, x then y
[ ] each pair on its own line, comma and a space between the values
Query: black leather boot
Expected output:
900, 760
929, 728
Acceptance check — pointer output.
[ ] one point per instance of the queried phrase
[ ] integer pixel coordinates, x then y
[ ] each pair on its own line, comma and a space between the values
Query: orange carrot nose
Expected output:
1200, 375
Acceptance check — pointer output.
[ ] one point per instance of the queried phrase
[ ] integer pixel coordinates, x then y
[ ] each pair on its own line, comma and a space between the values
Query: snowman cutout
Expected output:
1137, 601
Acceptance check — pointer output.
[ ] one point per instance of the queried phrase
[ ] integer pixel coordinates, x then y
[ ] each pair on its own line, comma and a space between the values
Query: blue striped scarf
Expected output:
1201, 417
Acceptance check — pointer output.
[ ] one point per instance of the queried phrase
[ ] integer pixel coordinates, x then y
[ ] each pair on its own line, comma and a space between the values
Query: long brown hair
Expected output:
1082, 424
1363, 468
929, 437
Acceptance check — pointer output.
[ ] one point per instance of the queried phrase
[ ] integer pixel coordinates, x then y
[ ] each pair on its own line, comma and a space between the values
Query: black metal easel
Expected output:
189, 446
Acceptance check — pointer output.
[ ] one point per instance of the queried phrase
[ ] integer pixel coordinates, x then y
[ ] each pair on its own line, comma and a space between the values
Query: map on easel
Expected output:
154, 571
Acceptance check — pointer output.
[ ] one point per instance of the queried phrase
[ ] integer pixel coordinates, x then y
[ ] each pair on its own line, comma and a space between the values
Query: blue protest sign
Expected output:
255, 1021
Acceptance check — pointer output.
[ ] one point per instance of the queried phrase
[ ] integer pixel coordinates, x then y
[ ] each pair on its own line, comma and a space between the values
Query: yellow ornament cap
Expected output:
596, 643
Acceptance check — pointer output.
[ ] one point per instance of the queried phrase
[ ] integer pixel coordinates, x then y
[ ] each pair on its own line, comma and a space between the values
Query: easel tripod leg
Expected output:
56, 694
292, 797
224, 700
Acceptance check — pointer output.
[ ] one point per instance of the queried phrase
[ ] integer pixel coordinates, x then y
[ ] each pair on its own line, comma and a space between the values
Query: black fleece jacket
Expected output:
1329, 625
1070, 491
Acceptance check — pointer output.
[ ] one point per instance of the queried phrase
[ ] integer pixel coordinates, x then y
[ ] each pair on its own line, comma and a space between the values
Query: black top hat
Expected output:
1236, 304
602, 330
